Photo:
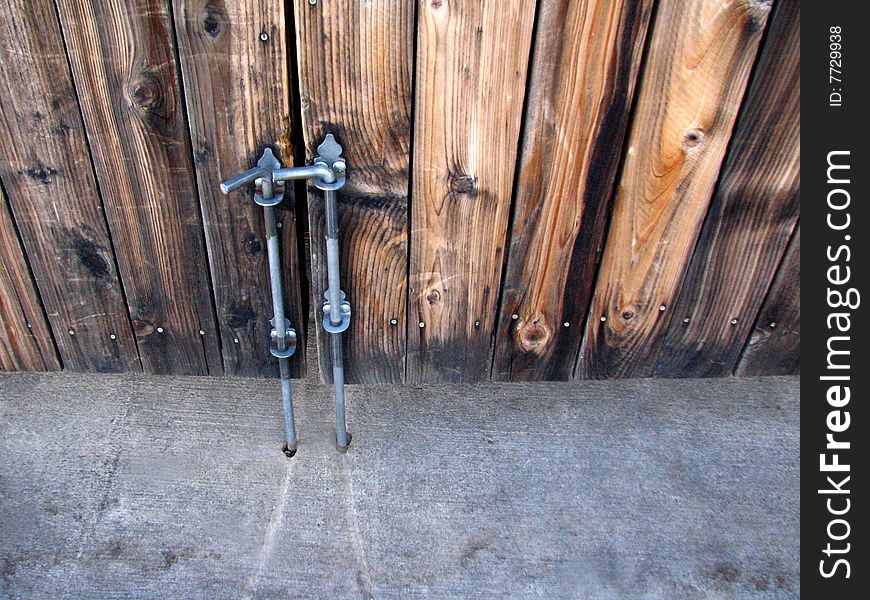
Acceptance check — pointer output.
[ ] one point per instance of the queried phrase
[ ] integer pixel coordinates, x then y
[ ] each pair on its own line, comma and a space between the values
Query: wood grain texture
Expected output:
355, 72
751, 217
774, 347
243, 42
25, 340
586, 60
123, 61
49, 179
695, 78
472, 61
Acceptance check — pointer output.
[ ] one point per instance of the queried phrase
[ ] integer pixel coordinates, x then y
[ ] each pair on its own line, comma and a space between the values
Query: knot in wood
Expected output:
533, 336
147, 92
212, 20
142, 327
463, 184
693, 139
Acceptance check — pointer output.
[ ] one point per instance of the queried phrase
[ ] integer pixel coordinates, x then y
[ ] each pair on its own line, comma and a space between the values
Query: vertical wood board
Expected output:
235, 66
123, 61
586, 61
751, 218
46, 170
702, 52
472, 61
25, 340
774, 347
355, 72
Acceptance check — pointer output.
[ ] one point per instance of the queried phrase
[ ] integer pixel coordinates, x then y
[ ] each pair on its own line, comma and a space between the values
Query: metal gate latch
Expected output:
328, 172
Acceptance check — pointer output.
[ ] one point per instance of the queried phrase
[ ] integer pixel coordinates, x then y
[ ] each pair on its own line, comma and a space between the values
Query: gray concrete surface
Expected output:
135, 487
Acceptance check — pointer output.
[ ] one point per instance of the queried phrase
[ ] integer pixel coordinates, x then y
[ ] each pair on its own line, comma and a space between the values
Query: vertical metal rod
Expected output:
338, 381
334, 299
278, 312
332, 264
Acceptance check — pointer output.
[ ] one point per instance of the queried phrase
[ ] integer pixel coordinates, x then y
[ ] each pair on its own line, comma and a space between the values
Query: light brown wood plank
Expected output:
355, 67
243, 42
586, 60
774, 346
47, 173
472, 61
751, 218
25, 341
702, 52
123, 62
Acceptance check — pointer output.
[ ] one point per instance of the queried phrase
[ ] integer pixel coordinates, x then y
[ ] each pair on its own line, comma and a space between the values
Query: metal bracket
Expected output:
290, 339
269, 177
345, 315
266, 193
329, 155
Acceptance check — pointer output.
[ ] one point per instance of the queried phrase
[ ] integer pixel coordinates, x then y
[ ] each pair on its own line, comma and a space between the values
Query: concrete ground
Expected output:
159, 487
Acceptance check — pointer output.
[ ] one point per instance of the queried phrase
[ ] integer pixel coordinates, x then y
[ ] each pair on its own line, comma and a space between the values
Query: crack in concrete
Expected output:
364, 577
275, 522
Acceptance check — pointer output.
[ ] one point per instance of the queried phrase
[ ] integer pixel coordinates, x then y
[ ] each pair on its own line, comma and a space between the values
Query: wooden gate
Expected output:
536, 190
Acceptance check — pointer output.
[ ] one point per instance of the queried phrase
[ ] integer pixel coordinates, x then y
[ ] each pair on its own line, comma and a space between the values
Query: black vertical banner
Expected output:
835, 62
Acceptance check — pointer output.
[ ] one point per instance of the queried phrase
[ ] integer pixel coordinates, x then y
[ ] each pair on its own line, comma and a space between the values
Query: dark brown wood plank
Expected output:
701, 56
355, 66
751, 217
243, 42
774, 347
472, 62
47, 173
586, 60
123, 62
25, 341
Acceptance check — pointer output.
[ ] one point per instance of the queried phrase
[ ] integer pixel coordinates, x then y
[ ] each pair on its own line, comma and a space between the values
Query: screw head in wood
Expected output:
662, 308
235, 340
71, 332
773, 324
159, 330
734, 321
686, 320
112, 336
422, 324
566, 324
201, 332
264, 37
515, 316
603, 319
394, 322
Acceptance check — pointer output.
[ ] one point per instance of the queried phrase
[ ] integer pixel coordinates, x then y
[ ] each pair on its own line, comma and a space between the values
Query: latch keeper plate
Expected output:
290, 339
345, 316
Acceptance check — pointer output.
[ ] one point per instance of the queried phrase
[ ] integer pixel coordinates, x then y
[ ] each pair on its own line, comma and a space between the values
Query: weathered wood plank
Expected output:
243, 42
25, 341
702, 55
123, 61
472, 61
355, 67
47, 173
774, 347
751, 218
586, 60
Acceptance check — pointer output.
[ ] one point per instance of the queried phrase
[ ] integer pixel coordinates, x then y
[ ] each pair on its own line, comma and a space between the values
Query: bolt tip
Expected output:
225, 188
343, 449
288, 451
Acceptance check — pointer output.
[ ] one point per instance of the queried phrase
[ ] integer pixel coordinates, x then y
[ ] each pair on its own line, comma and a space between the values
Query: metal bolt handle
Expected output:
328, 172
